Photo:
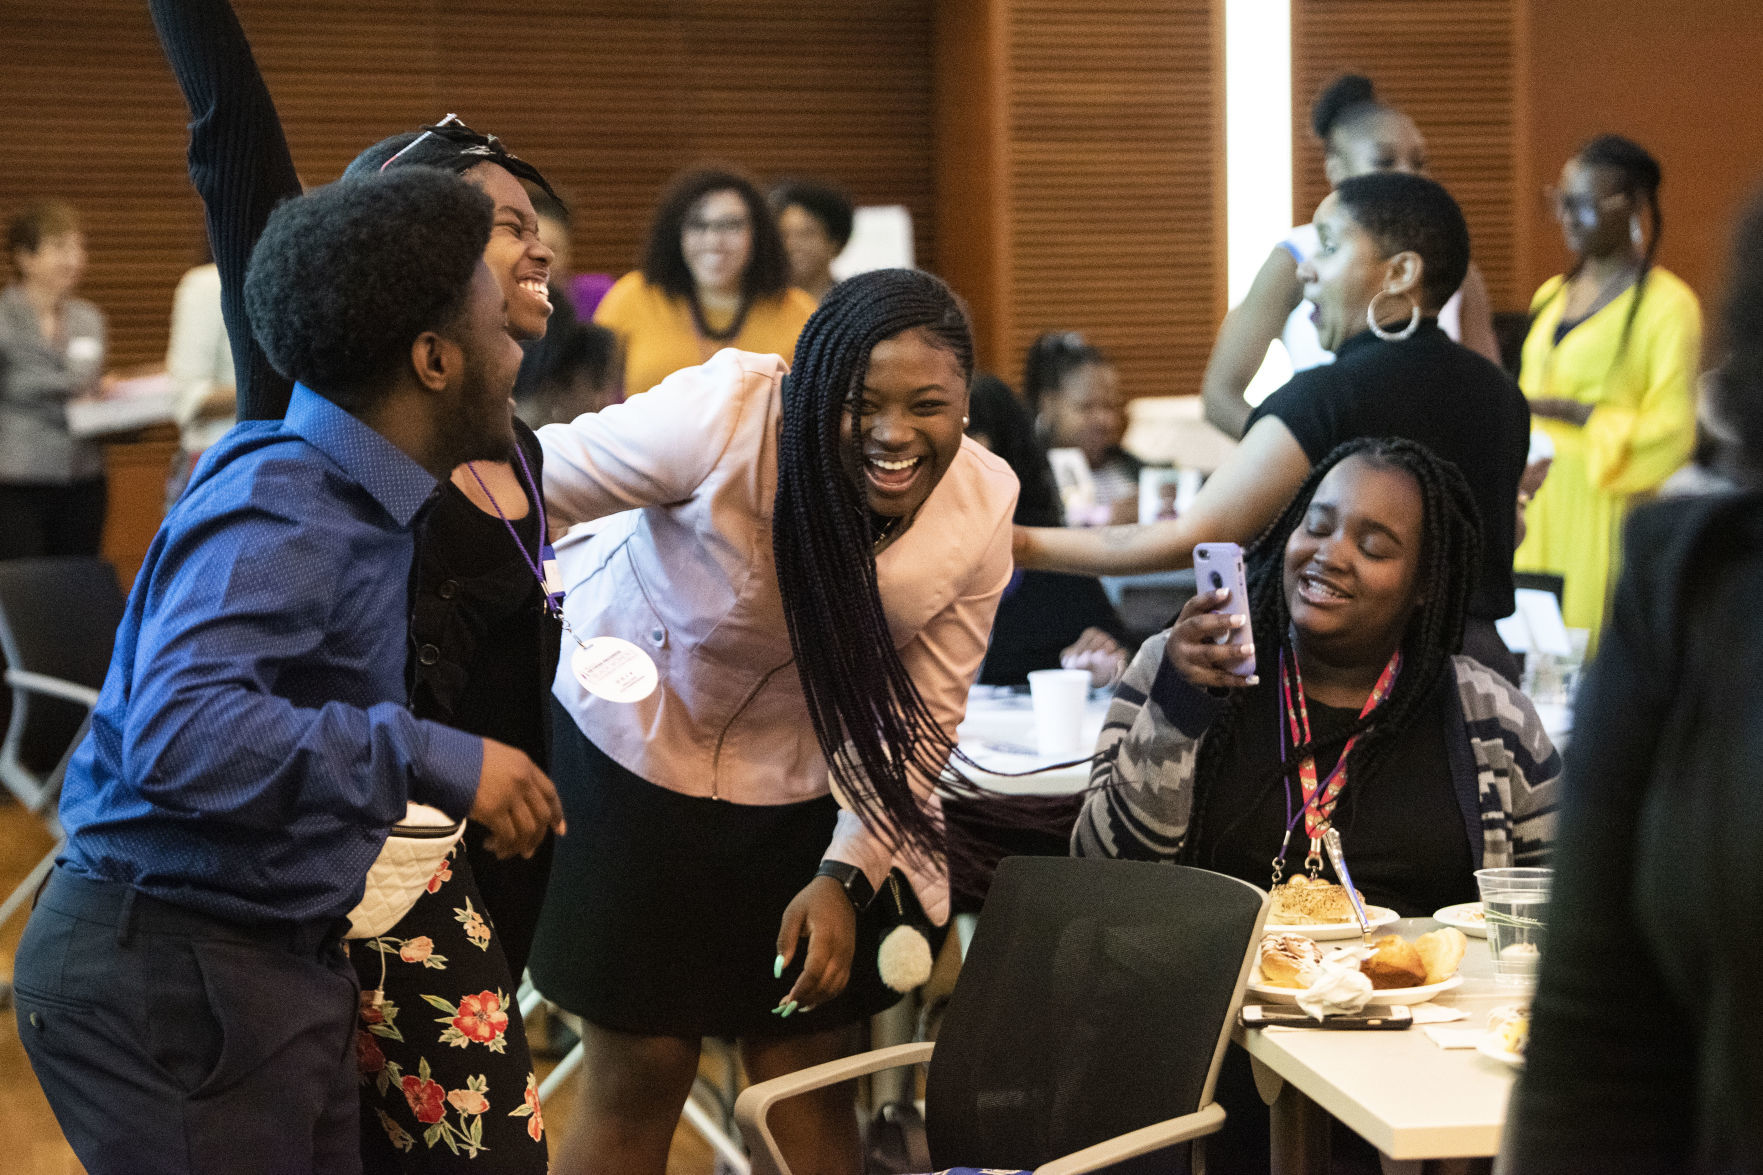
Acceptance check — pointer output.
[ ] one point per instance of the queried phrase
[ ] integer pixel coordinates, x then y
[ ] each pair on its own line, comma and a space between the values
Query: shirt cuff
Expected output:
447, 770
853, 844
1190, 708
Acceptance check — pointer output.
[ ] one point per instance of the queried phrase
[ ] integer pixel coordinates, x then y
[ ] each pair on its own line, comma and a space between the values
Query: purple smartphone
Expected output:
1220, 565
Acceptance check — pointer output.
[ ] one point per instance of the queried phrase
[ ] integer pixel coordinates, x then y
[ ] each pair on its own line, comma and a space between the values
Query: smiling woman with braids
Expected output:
1358, 594
812, 555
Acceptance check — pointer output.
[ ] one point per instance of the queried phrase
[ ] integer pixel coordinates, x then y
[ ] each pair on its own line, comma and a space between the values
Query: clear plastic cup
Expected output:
1515, 903
1059, 699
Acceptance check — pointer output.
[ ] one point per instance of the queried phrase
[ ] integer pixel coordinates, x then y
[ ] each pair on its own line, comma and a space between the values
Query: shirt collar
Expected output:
1366, 339
385, 471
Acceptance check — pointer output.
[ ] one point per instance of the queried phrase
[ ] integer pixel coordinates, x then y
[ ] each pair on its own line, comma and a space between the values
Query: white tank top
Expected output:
1299, 335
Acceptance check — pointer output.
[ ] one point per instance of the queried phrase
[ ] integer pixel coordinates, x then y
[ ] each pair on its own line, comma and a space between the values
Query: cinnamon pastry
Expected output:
1289, 960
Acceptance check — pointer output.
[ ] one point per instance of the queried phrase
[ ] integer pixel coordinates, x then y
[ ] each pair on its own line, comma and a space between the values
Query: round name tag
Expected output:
614, 669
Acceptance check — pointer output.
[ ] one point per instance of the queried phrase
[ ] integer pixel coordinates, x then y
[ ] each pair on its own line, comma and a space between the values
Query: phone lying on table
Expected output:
1219, 567
1369, 1017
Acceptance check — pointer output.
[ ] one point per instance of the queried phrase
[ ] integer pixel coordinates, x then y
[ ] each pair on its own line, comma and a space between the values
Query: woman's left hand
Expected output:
823, 912
1098, 652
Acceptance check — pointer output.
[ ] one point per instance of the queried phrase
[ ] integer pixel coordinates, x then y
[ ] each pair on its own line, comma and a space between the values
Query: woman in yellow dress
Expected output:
714, 275
1609, 366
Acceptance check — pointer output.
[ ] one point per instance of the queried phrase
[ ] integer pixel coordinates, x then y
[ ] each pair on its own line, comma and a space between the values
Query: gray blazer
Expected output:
36, 382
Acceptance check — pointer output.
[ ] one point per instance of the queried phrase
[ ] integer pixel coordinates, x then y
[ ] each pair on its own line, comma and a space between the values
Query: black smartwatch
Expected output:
852, 880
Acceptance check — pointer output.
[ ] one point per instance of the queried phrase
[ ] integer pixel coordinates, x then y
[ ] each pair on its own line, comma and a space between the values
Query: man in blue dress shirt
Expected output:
182, 989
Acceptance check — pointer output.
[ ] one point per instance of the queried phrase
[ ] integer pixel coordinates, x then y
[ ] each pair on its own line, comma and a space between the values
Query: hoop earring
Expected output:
1387, 335
1635, 235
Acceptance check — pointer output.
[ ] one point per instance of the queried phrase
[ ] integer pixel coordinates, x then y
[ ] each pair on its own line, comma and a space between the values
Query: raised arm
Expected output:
239, 162
1243, 339
1236, 504
1476, 317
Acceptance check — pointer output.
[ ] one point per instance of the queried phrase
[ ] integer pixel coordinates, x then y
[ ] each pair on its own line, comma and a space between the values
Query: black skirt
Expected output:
663, 909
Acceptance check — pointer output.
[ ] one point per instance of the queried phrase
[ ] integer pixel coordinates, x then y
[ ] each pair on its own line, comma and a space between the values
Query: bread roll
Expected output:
1441, 953
1289, 960
1395, 964
1306, 902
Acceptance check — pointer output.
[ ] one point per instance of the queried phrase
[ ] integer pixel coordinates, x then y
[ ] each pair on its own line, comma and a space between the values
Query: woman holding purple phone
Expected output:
1358, 715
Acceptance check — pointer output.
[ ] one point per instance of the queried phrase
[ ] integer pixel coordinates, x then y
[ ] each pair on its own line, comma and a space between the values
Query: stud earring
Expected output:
964, 422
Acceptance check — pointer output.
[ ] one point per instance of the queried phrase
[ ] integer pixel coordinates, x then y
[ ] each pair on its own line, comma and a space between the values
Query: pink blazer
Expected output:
688, 575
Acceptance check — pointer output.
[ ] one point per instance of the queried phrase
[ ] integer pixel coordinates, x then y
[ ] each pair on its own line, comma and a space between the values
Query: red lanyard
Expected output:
1319, 802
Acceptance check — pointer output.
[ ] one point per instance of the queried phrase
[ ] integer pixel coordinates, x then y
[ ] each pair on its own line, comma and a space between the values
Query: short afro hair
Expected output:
1412, 213
346, 277
831, 207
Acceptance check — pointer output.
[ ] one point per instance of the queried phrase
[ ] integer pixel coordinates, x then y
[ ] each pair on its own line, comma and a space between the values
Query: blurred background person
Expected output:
1074, 392
815, 223
199, 359
1656, 917
1610, 367
581, 291
714, 275
579, 371
52, 489
1360, 134
1046, 619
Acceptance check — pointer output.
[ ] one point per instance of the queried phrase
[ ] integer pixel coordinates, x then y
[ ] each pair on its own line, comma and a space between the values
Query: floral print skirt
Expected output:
446, 1076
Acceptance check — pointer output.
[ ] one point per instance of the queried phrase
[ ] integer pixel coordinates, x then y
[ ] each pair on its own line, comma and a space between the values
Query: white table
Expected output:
999, 734
1399, 1091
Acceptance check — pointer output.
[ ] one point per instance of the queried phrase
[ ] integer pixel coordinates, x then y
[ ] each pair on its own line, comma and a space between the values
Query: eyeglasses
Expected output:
728, 226
1580, 207
450, 120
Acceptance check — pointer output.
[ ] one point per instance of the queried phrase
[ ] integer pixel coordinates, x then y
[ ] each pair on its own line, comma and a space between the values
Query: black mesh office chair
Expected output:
58, 620
1087, 1025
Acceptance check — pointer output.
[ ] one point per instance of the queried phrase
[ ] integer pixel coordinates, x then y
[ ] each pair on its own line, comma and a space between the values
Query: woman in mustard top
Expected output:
714, 275
1609, 366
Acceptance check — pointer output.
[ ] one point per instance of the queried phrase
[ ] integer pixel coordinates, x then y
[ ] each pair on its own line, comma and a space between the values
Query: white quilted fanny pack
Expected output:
414, 849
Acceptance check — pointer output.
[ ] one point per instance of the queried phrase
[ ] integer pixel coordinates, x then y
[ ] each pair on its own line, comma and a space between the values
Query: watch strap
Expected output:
851, 879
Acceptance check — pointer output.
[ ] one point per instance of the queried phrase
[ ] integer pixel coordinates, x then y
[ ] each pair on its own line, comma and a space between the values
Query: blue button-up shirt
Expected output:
251, 746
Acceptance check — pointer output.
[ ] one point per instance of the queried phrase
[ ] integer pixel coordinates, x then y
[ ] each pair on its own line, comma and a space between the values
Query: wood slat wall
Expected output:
609, 98
1117, 169
1455, 69
1081, 152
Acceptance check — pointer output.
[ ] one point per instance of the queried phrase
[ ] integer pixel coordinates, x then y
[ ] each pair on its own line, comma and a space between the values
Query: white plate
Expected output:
1389, 995
1465, 916
1491, 1048
1326, 931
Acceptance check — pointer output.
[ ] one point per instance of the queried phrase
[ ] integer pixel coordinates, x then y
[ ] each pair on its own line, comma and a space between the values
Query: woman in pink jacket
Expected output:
811, 558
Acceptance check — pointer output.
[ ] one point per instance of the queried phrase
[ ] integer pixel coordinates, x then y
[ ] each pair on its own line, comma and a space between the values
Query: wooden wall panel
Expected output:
609, 98
1455, 69
1098, 204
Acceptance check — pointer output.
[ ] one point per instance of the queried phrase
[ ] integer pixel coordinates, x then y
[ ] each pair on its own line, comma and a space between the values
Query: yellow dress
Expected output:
1641, 429
659, 338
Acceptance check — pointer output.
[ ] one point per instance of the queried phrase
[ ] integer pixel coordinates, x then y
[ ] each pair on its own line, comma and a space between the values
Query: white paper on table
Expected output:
1536, 626
1430, 1013
1455, 1038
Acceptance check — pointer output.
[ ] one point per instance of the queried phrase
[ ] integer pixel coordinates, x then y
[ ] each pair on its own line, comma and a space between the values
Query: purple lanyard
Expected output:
553, 601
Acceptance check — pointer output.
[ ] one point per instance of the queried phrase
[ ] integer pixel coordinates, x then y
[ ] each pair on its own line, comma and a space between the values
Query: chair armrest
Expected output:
55, 687
755, 1102
1142, 1141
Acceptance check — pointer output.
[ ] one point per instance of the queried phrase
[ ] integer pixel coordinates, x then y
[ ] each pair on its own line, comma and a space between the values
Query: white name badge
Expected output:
614, 669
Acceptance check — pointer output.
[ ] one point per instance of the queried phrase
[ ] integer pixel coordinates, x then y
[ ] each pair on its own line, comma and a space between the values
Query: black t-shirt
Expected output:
1401, 827
1428, 389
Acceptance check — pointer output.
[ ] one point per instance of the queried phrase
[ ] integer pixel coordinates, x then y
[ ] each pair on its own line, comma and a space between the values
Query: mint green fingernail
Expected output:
777, 968
788, 1008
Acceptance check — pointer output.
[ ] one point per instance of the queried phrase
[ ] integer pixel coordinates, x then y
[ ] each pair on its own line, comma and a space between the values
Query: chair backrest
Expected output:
1097, 998
58, 617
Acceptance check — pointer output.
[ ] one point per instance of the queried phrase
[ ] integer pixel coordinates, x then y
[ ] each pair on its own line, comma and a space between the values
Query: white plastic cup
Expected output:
1059, 697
